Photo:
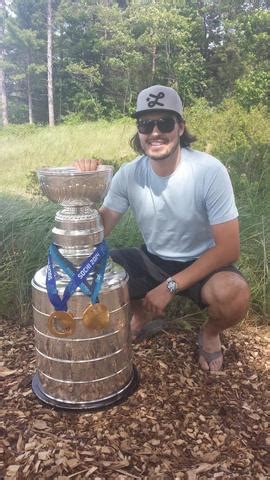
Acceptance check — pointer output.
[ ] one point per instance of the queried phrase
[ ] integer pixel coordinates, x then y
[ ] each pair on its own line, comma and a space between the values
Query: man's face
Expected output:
160, 145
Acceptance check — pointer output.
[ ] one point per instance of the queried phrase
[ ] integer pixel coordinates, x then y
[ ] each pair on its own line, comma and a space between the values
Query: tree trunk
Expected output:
154, 56
30, 101
3, 92
49, 63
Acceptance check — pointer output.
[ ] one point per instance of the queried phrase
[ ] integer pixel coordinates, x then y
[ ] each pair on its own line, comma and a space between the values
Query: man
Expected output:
184, 205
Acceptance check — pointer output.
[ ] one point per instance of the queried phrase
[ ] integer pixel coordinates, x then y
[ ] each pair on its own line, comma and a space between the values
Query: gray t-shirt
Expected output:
175, 213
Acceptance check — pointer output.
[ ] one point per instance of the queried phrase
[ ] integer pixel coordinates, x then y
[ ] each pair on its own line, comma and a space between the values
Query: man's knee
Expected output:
227, 293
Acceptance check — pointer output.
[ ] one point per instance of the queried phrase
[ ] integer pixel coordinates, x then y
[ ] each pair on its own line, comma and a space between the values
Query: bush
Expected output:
20, 131
25, 231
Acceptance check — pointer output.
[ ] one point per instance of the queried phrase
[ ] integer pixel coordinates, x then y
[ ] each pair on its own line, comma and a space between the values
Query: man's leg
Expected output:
143, 276
139, 318
227, 296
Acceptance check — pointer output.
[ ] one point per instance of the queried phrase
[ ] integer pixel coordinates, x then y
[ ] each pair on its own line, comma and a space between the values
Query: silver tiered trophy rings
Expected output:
81, 301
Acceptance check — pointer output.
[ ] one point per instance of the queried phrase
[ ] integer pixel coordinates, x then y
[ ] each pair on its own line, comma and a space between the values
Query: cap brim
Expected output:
155, 110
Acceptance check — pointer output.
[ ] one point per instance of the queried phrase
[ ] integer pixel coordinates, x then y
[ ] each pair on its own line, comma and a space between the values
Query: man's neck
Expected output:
166, 166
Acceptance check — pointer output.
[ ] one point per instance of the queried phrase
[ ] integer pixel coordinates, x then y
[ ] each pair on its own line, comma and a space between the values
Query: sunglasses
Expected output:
164, 124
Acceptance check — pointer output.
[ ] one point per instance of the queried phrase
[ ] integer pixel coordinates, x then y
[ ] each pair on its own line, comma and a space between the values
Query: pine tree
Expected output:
3, 92
50, 65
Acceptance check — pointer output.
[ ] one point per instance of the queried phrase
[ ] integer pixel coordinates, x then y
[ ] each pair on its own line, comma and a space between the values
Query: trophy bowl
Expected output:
72, 188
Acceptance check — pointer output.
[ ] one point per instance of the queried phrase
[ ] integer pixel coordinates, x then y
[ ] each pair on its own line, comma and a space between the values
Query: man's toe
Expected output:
216, 365
203, 364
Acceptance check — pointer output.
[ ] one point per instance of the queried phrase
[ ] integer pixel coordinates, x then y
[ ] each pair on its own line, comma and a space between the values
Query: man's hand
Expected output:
157, 299
86, 164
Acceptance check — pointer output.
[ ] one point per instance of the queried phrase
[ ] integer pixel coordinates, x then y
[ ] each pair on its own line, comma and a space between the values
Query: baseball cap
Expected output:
158, 97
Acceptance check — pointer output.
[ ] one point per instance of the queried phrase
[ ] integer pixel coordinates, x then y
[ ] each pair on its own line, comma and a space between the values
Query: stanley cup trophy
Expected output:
81, 301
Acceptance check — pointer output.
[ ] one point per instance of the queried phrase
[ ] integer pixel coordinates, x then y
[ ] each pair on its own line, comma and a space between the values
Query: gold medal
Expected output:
96, 316
63, 320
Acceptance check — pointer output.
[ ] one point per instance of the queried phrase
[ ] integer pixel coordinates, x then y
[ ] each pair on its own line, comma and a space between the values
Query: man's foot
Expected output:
210, 354
136, 326
152, 328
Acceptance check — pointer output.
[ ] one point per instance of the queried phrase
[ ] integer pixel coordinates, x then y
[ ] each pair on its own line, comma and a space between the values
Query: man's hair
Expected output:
185, 140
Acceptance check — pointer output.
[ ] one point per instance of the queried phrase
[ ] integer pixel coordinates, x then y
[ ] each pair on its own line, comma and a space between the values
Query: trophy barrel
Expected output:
83, 361
90, 368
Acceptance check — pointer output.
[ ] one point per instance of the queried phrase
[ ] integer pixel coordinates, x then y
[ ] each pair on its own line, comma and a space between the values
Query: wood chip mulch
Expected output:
181, 423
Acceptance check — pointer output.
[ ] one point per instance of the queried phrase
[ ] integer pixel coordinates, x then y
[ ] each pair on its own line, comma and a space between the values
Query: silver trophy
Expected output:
84, 355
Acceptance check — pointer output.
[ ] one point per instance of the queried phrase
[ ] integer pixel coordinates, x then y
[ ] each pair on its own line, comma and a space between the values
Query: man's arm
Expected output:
109, 219
225, 252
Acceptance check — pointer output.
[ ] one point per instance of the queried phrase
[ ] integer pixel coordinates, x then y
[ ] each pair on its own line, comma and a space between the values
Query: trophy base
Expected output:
115, 399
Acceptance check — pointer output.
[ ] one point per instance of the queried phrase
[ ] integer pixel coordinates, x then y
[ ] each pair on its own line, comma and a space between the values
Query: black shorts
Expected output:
146, 271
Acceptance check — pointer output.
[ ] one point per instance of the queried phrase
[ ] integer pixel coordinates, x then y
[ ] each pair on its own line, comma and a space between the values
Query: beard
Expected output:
159, 156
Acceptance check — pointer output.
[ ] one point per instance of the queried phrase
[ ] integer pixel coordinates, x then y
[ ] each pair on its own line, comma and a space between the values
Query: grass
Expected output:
240, 140
21, 151
224, 132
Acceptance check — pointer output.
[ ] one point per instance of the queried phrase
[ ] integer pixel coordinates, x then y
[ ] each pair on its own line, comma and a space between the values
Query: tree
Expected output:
227, 41
25, 43
77, 73
85, 59
173, 59
50, 66
252, 87
2, 68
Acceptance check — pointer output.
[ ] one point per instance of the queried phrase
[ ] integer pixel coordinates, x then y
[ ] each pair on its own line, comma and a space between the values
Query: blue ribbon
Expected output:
78, 278
67, 267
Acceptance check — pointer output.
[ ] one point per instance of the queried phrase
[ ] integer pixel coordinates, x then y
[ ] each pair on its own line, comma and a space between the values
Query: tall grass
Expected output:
237, 138
23, 149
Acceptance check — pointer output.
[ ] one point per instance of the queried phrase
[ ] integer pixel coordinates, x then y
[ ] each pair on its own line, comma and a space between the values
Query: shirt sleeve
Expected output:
117, 196
219, 197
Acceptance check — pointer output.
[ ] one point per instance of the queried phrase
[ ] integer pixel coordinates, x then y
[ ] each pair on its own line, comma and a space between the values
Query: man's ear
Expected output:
181, 128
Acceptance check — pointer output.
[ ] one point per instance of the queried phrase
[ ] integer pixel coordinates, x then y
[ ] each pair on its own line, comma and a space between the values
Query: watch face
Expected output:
171, 284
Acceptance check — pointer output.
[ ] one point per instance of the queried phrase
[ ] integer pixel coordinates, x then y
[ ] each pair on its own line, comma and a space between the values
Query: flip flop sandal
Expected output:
151, 329
208, 356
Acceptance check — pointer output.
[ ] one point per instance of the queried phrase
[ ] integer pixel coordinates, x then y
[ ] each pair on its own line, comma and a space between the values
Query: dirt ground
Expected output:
181, 423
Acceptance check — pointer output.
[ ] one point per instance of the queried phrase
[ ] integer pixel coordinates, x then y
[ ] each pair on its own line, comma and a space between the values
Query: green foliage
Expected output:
73, 119
105, 52
87, 107
25, 57
126, 233
252, 89
18, 131
24, 223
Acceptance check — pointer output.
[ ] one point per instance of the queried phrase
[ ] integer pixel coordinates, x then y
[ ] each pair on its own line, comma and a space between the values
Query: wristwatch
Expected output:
172, 285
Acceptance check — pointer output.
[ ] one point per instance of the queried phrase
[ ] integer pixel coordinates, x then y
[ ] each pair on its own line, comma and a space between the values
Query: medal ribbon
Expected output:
78, 277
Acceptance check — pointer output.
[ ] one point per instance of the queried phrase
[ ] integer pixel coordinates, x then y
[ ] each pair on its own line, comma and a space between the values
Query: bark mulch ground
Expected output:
181, 423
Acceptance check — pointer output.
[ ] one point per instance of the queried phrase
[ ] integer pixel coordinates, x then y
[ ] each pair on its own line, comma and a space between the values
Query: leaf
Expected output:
154, 441
74, 462
254, 416
204, 467
40, 425
12, 470
20, 443
210, 457
44, 455
179, 442
163, 365
92, 469
124, 463
6, 372
106, 450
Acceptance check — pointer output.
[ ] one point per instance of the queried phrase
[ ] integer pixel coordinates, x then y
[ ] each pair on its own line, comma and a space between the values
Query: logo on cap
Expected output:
153, 103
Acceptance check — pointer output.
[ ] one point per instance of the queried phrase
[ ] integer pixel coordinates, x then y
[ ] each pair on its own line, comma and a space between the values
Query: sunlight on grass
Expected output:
61, 146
